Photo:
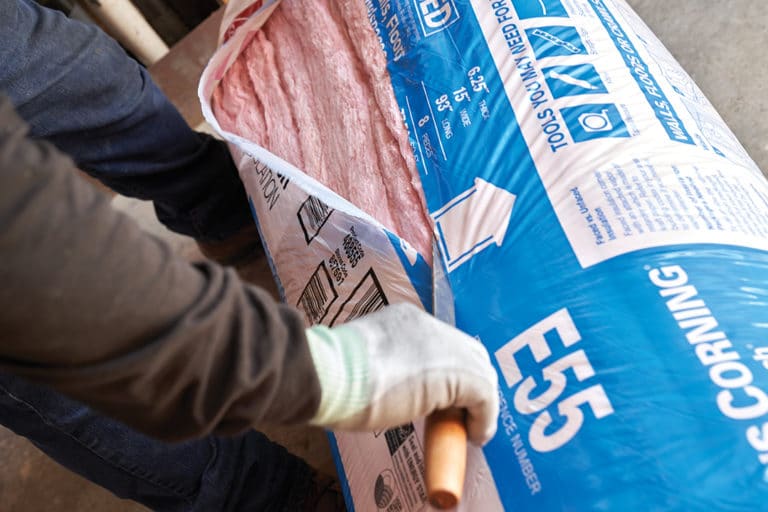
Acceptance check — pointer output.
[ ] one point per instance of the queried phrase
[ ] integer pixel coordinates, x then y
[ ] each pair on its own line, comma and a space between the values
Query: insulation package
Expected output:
603, 231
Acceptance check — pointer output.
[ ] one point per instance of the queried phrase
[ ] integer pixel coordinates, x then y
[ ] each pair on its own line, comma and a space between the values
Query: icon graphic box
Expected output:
527, 9
594, 121
573, 80
555, 41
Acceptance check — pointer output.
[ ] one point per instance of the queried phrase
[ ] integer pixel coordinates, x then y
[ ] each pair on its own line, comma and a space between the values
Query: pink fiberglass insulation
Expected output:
314, 90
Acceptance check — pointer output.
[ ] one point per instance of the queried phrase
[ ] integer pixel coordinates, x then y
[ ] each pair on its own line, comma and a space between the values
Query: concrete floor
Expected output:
719, 42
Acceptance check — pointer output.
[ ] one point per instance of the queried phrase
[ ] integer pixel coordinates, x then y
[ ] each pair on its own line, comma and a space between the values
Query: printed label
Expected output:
436, 15
408, 462
313, 214
318, 296
367, 297
579, 105
347, 252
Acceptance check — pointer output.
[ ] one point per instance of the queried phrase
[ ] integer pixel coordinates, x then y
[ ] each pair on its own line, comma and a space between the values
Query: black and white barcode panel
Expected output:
367, 297
313, 214
318, 295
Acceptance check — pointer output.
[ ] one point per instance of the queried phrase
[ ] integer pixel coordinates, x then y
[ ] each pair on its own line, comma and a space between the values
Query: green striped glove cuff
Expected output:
341, 362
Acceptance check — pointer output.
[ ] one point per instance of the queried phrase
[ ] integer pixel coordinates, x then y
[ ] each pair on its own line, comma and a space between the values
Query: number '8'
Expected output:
529, 400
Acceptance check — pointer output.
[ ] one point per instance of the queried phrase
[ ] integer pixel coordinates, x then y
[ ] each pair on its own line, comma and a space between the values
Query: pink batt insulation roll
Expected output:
604, 234
315, 91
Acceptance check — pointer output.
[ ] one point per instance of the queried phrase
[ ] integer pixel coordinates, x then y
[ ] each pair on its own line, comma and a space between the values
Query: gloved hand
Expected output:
399, 364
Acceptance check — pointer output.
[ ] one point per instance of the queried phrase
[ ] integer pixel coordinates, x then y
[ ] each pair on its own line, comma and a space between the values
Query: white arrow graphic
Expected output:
472, 221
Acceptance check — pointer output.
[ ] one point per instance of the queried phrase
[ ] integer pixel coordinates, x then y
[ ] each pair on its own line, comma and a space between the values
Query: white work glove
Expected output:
391, 367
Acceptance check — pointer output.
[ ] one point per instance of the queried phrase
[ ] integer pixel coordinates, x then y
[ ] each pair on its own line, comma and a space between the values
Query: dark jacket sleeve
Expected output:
95, 308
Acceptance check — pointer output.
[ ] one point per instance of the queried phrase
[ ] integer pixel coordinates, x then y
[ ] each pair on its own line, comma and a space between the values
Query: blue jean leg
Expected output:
78, 89
248, 472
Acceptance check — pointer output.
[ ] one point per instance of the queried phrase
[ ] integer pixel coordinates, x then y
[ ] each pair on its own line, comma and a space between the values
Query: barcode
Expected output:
372, 300
313, 214
367, 297
396, 437
318, 295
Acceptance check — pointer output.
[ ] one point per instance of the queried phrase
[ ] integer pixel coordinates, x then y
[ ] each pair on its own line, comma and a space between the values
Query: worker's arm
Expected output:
95, 308
91, 305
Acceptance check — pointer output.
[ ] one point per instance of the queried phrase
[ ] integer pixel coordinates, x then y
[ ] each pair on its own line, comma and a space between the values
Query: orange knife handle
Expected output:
445, 440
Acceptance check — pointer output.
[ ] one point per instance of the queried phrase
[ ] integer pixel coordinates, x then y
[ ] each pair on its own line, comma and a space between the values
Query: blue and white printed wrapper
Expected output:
605, 237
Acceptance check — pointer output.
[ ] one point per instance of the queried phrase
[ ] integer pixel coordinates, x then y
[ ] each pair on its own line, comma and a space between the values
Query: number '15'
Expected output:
535, 393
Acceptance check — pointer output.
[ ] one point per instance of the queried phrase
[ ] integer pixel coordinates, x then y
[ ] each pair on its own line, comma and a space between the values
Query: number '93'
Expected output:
535, 393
